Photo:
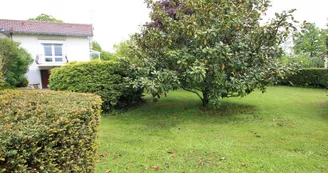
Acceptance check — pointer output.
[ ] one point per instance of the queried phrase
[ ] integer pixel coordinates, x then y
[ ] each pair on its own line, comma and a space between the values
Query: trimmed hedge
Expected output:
2, 81
48, 131
316, 77
110, 80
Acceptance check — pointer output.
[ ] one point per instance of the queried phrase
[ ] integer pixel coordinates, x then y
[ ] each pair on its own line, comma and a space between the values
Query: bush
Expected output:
2, 81
15, 61
48, 131
110, 80
309, 77
304, 60
23, 82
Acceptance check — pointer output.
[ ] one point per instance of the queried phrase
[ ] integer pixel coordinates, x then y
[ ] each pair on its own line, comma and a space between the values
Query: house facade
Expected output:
50, 44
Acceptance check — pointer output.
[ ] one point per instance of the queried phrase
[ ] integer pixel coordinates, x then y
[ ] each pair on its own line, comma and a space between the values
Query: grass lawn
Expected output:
282, 130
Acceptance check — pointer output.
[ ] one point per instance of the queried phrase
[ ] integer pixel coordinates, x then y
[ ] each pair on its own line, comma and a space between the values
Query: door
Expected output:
45, 79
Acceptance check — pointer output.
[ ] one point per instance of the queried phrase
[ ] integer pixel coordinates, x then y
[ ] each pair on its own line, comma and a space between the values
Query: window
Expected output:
53, 52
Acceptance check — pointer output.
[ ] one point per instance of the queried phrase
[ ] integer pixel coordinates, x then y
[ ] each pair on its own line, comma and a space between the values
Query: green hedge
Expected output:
309, 77
2, 81
110, 80
48, 131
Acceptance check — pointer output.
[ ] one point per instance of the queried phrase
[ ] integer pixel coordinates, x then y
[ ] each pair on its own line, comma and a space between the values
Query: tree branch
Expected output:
195, 92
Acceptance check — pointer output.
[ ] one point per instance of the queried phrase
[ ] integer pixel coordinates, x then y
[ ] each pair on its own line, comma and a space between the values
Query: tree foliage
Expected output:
45, 18
104, 55
15, 61
126, 49
214, 49
96, 46
311, 42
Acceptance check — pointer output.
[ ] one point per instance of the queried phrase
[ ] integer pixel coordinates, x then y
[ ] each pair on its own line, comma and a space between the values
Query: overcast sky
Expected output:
115, 20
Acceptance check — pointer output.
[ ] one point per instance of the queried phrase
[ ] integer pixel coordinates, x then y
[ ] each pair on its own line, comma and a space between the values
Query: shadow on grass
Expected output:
170, 113
324, 111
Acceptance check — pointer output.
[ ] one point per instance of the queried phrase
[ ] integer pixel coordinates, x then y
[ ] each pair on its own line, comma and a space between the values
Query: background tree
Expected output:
96, 46
214, 49
126, 49
15, 61
310, 44
104, 55
46, 18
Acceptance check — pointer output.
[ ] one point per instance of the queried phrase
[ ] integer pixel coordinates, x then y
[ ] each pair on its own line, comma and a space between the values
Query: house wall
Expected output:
76, 49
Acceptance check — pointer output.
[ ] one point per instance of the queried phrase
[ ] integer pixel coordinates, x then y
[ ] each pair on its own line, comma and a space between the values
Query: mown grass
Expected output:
283, 130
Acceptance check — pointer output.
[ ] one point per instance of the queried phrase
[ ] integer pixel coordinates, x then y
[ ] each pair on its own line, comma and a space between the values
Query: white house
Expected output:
50, 44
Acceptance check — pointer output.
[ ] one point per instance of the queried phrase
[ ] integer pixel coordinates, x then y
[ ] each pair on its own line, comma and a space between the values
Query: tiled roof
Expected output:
47, 28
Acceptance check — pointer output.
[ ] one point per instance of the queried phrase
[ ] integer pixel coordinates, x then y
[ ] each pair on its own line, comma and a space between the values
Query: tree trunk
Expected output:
205, 99
206, 88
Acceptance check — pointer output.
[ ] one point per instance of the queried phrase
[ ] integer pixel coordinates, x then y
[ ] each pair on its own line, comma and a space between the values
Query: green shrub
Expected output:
309, 77
15, 61
304, 60
2, 81
110, 80
48, 131
23, 82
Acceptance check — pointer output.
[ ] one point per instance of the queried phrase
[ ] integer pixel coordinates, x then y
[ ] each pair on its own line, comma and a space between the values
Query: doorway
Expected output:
45, 78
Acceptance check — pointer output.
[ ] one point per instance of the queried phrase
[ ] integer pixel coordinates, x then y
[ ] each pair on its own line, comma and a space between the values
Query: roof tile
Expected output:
47, 28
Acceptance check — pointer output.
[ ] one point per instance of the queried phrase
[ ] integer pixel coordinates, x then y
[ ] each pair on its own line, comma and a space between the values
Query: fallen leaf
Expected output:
155, 167
97, 161
128, 167
108, 171
201, 161
172, 152
192, 151
174, 156
104, 155
210, 159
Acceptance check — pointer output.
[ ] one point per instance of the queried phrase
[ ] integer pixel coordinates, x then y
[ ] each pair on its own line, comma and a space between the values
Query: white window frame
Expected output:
53, 56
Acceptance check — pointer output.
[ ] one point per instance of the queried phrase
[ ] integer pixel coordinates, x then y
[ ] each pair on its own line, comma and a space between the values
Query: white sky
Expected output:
115, 20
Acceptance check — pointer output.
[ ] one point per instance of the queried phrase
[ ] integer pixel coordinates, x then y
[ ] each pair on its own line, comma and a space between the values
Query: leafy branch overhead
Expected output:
214, 49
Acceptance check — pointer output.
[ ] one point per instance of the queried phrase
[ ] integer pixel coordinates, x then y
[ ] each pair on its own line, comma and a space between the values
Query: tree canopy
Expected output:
214, 49
46, 18
96, 46
104, 55
15, 61
311, 43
